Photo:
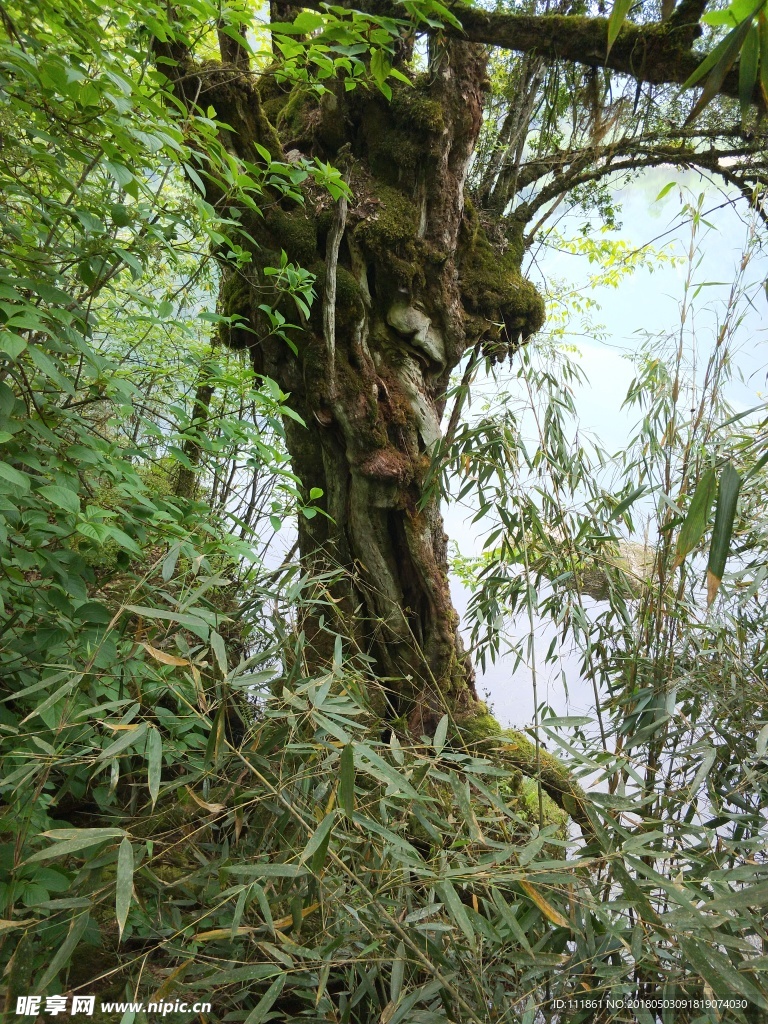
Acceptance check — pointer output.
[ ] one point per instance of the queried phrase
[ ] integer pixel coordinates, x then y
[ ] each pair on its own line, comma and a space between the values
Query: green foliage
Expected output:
745, 43
188, 811
679, 689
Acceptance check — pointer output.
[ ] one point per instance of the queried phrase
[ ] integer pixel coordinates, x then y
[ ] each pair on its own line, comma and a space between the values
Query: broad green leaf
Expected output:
725, 515
169, 562
11, 344
696, 520
122, 538
61, 496
124, 887
13, 476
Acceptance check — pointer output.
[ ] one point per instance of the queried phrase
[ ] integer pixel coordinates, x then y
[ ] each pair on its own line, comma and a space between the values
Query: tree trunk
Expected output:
407, 278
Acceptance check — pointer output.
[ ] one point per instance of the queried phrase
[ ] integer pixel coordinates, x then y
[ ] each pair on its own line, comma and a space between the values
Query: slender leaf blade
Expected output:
696, 520
347, 780
725, 515
124, 886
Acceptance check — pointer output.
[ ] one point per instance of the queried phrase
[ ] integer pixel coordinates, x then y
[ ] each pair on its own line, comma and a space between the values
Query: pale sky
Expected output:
644, 302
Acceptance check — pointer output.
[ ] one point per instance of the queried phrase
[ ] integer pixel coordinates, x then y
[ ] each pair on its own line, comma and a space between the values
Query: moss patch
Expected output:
501, 305
349, 301
390, 234
295, 231
515, 750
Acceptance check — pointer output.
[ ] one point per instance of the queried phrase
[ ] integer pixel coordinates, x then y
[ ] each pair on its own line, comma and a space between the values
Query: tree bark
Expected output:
408, 279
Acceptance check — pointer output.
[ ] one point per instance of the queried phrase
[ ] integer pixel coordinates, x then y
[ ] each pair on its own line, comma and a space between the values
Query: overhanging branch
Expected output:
657, 53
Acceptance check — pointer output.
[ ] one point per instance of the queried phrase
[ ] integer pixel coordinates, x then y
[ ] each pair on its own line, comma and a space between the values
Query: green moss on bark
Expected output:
514, 749
502, 307
295, 231
391, 235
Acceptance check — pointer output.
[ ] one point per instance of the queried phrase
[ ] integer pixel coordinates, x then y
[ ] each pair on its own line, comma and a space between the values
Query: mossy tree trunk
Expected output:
408, 278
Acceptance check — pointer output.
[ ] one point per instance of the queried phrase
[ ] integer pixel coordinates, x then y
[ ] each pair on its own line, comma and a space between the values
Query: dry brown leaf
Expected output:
544, 906
163, 658
211, 808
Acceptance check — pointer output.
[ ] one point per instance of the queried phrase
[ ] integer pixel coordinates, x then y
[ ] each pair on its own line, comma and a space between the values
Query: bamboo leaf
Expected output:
219, 651
398, 973
264, 1005
53, 699
162, 657
286, 922
550, 912
530, 1011
762, 28
154, 762
622, 507
263, 869
456, 908
216, 738
616, 19
440, 734
128, 739
695, 522
748, 64
715, 969
63, 954
379, 769
704, 768
726, 52
725, 514
207, 805
124, 887
347, 780
316, 839
711, 60
266, 910
167, 986
70, 846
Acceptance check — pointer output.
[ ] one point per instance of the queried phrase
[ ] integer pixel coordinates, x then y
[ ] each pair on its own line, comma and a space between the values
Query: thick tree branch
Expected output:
656, 52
